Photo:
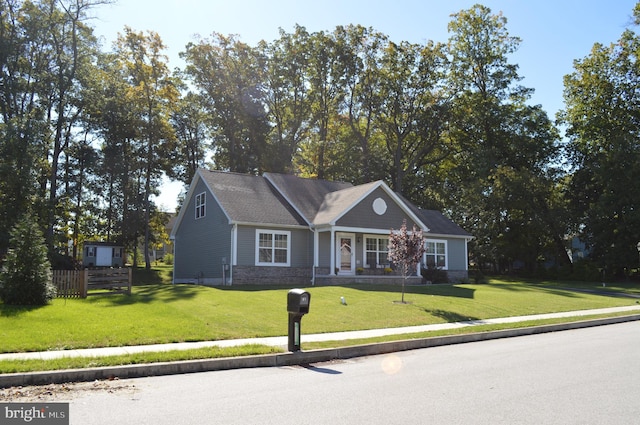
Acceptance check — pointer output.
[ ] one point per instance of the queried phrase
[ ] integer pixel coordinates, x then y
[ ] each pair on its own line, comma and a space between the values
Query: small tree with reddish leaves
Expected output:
406, 250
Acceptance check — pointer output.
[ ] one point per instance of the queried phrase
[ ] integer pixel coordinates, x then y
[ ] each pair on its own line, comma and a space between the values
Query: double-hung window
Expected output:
201, 201
376, 251
273, 248
436, 254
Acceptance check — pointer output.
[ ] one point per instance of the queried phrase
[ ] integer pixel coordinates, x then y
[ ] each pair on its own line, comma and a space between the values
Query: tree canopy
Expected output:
87, 133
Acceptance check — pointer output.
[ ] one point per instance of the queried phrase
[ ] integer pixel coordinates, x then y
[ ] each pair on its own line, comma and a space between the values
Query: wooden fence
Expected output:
69, 283
82, 283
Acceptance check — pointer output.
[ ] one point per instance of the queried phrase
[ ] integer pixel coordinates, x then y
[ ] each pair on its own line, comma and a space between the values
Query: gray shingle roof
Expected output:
435, 221
270, 200
250, 199
438, 224
335, 203
308, 195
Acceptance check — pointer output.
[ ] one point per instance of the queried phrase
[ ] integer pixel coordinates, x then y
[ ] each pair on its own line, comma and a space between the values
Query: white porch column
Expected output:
233, 259
332, 244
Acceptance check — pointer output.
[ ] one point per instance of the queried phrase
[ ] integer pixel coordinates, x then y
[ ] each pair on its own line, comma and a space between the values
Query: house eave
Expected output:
269, 225
429, 235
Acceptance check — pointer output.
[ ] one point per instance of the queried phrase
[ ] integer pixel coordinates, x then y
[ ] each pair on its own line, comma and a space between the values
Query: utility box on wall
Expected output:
102, 254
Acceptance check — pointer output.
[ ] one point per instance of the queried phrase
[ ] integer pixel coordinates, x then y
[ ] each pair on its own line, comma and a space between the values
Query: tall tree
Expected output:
81, 161
504, 146
415, 109
23, 128
603, 125
73, 47
326, 85
112, 118
229, 76
46, 47
287, 97
190, 123
152, 92
363, 98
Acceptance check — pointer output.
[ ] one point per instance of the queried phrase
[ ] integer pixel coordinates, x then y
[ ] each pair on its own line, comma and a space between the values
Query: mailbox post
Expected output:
297, 305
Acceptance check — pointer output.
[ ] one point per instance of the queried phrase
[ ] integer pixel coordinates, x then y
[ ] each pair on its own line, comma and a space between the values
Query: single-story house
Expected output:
278, 228
102, 254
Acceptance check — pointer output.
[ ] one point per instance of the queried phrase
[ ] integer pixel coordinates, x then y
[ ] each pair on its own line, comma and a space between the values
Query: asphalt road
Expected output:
585, 376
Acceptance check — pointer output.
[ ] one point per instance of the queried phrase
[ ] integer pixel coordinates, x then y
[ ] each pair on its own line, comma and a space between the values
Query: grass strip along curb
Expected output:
286, 359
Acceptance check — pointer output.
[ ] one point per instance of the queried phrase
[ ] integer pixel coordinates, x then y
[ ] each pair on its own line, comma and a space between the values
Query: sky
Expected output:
553, 33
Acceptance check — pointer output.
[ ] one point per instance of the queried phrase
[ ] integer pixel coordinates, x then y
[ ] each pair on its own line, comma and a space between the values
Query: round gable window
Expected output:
379, 206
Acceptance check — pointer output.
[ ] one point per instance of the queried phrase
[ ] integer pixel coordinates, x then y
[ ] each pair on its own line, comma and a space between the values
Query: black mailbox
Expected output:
298, 301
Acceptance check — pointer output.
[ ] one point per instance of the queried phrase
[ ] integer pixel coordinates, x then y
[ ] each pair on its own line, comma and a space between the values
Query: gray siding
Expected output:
302, 254
324, 257
246, 249
456, 254
456, 259
301, 246
362, 215
200, 245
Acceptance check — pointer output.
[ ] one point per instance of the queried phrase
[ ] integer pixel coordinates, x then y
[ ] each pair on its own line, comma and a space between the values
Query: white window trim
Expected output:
202, 205
364, 249
273, 232
446, 252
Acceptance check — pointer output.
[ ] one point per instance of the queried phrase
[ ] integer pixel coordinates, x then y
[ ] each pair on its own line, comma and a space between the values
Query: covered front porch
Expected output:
347, 252
355, 256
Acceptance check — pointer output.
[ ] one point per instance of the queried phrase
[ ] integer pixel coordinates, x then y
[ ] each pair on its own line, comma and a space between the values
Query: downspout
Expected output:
173, 247
466, 253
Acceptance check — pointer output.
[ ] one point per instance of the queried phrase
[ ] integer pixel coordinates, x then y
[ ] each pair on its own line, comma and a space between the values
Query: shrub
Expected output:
434, 275
25, 278
478, 276
168, 259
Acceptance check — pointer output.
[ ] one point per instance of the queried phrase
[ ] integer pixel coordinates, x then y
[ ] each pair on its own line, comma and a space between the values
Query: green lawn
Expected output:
158, 312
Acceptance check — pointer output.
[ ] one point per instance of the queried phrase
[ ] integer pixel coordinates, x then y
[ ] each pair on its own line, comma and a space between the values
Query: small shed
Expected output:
102, 254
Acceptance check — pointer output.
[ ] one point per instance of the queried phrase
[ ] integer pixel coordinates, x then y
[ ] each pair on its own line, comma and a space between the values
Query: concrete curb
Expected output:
285, 359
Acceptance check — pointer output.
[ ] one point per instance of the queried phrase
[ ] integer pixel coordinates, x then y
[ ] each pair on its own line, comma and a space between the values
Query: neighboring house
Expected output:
102, 254
276, 228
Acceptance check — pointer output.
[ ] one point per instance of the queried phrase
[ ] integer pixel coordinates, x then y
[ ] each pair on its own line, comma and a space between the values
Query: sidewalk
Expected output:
282, 340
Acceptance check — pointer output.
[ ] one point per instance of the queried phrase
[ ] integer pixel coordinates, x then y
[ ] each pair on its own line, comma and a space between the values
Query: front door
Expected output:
346, 260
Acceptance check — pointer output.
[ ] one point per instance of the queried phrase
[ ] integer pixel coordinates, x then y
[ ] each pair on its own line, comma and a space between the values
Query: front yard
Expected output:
158, 312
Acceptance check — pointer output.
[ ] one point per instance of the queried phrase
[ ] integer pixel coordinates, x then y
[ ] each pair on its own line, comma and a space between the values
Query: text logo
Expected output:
34, 413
